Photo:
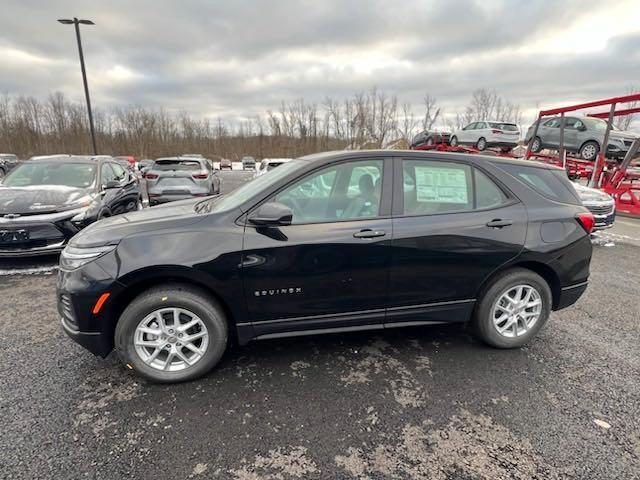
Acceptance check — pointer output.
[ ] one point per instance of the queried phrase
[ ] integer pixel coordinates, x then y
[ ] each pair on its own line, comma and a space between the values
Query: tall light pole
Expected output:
76, 23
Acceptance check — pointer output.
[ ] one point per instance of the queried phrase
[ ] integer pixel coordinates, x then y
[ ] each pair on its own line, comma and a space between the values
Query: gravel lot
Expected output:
414, 403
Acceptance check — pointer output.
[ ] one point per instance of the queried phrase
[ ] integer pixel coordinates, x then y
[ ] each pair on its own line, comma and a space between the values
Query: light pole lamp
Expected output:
76, 22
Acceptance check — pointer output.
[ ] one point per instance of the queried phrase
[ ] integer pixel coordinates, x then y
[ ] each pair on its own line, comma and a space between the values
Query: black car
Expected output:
46, 201
429, 138
333, 242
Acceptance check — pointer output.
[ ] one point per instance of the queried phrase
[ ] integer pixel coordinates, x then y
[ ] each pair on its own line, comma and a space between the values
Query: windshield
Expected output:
77, 175
177, 165
248, 190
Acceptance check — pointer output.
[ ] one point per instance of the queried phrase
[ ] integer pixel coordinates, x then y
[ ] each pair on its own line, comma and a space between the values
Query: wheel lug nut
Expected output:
170, 330
180, 335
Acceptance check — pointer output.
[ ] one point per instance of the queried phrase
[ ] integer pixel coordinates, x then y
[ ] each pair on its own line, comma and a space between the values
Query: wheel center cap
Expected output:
172, 339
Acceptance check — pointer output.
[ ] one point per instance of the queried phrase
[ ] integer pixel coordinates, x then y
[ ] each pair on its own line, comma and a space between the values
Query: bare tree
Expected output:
624, 122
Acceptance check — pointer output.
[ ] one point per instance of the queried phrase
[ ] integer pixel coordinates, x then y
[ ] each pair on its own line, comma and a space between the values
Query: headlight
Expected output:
75, 257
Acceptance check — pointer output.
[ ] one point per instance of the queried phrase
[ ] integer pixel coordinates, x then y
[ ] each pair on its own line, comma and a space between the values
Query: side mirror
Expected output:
272, 214
112, 184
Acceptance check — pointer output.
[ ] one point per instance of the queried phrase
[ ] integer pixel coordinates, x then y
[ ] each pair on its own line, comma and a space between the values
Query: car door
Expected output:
466, 134
453, 225
329, 268
549, 133
125, 197
480, 131
571, 132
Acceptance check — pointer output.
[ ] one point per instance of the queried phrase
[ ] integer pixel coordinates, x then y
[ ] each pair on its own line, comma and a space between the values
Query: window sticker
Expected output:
441, 185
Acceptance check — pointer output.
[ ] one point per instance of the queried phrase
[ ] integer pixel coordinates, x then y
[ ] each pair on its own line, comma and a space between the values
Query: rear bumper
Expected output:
158, 199
501, 144
570, 295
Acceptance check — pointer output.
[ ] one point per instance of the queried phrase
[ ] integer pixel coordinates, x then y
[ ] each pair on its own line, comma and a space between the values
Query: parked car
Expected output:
7, 162
486, 134
268, 164
178, 178
192, 155
332, 242
44, 202
248, 163
130, 160
225, 163
429, 137
144, 165
582, 135
602, 205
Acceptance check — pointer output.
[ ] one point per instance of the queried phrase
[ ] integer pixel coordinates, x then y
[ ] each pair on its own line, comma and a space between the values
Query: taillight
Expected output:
200, 176
587, 220
496, 131
150, 176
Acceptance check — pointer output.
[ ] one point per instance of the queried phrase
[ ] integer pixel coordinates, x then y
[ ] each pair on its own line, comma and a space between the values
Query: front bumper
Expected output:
47, 233
603, 212
77, 292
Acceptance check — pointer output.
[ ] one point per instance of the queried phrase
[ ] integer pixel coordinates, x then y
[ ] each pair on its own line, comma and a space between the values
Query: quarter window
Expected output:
488, 194
348, 191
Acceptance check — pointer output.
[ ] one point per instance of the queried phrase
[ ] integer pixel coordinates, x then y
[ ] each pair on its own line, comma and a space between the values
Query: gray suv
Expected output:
180, 178
582, 135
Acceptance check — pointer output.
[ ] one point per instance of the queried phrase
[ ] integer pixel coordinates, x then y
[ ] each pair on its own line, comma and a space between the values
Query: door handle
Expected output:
368, 233
499, 223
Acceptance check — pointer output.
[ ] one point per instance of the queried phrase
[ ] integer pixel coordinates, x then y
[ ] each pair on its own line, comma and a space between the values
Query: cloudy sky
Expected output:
238, 58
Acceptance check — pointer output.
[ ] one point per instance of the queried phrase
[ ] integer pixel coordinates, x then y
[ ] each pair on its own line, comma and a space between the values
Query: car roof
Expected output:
183, 159
425, 154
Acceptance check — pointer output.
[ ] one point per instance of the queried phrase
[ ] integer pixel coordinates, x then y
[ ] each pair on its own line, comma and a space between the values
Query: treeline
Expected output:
372, 119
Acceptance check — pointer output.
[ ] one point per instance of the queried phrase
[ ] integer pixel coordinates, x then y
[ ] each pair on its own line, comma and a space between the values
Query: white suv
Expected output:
481, 135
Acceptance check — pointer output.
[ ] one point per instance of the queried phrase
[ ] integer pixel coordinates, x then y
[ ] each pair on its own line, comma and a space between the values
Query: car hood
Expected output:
113, 229
42, 199
623, 135
588, 194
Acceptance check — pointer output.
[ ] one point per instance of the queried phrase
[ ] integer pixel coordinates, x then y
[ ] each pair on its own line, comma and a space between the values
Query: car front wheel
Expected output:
482, 144
512, 309
171, 333
454, 141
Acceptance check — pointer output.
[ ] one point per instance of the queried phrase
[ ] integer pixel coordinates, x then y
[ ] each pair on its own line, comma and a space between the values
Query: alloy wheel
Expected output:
171, 339
517, 310
589, 152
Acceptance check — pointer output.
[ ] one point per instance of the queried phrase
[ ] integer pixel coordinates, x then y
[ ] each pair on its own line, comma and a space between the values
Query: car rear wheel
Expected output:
430, 141
2, 173
172, 333
453, 141
512, 309
589, 151
536, 145
481, 144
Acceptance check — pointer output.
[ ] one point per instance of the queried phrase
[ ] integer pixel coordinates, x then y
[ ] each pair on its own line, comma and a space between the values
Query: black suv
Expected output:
47, 200
332, 242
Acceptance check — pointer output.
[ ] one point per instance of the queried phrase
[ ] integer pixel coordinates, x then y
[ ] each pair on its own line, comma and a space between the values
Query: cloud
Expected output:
235, 59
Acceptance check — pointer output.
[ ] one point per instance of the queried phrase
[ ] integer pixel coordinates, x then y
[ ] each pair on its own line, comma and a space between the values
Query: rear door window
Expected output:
436, 187
550, 183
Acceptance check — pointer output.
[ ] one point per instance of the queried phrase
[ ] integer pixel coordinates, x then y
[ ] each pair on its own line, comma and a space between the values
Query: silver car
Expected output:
602, 205
180, 178
582, 135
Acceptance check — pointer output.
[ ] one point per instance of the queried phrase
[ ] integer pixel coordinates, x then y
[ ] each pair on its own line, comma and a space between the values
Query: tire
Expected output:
430, 141
536, 145
168, 297
505, 284
589, 151
2, 173
453, 141
481, 144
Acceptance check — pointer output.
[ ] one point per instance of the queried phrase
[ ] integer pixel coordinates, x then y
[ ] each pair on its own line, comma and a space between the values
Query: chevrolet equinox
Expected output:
332, 242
